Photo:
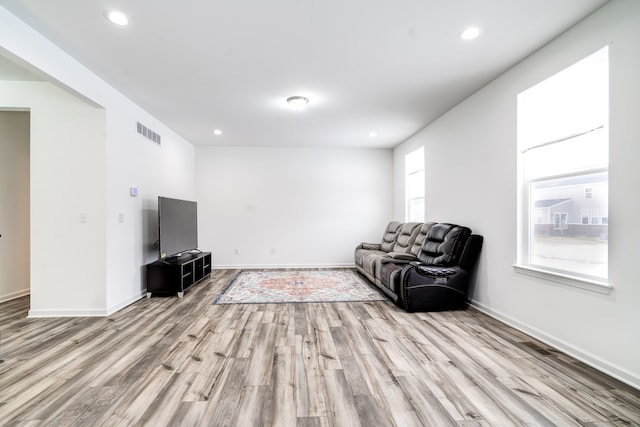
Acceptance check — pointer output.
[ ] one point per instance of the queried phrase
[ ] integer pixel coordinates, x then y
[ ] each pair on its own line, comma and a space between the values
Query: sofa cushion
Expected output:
390, 279
390, 236
406, 237
443, 244
370, 246
369, 262
422, 234
399, 257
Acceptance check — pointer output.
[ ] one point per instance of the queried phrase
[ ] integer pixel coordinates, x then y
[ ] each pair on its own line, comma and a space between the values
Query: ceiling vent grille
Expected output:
148, 133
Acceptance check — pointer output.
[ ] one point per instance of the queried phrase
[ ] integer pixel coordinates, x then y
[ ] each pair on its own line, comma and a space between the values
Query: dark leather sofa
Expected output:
422, 266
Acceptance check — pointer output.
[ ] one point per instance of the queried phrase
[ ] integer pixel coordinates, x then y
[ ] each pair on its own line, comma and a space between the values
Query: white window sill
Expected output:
593, 285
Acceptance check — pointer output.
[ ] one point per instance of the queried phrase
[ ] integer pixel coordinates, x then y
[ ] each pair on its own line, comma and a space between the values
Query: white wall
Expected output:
67, 181
471, 174
14, 204
133, 161
94, 167
290, 207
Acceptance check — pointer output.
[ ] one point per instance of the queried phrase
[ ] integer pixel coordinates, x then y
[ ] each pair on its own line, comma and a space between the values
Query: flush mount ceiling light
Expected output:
217, 132
297, 103
471, 33
116, 17
372, 134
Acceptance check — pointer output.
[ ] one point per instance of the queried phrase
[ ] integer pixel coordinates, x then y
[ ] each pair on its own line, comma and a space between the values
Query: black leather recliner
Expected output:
439, 278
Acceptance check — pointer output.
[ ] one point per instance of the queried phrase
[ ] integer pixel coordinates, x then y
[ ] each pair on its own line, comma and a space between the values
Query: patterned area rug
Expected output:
281, 286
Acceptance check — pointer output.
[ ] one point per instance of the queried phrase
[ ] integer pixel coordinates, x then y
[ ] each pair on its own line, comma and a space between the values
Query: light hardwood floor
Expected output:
186, 362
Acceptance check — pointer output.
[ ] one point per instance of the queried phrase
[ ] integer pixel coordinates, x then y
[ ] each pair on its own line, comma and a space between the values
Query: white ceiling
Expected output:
366, 65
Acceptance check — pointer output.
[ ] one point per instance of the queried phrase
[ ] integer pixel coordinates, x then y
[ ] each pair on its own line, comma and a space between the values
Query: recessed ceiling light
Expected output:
471, 33
116, 17
373, 134
297, 103
217, 132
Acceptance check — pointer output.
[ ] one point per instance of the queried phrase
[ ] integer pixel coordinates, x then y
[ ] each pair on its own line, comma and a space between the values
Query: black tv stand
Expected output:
177, 274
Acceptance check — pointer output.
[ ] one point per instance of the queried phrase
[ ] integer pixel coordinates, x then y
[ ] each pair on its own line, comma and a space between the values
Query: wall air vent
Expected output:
148, 133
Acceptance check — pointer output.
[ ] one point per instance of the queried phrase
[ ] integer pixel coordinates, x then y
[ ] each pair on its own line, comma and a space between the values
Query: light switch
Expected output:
133, 191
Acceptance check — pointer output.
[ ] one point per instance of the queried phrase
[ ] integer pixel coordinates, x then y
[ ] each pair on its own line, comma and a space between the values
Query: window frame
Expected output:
524, 266
528, 214
526, 249
418, 153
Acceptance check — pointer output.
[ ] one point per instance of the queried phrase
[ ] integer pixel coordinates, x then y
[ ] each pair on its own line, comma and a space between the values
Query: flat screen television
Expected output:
177, 226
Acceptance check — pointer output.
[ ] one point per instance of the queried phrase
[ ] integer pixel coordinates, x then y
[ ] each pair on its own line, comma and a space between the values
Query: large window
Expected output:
564, 148
414, 185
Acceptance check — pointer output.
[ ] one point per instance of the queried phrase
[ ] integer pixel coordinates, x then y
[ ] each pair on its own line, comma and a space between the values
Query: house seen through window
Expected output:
564, 147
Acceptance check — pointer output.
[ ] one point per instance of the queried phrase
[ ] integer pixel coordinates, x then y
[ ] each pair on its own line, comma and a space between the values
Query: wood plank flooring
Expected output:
186, 362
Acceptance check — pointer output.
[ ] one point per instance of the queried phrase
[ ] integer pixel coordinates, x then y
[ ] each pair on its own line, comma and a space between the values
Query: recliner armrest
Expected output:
398, 258
370, 246
425, 287
436, 271
402, 256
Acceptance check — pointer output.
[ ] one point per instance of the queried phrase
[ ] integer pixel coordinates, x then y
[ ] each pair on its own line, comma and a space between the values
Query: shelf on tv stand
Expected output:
177, 274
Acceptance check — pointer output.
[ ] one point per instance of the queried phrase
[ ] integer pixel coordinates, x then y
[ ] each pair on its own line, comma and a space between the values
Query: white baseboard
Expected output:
14, 295
624, 375
281, 266
89, 312
122, 304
